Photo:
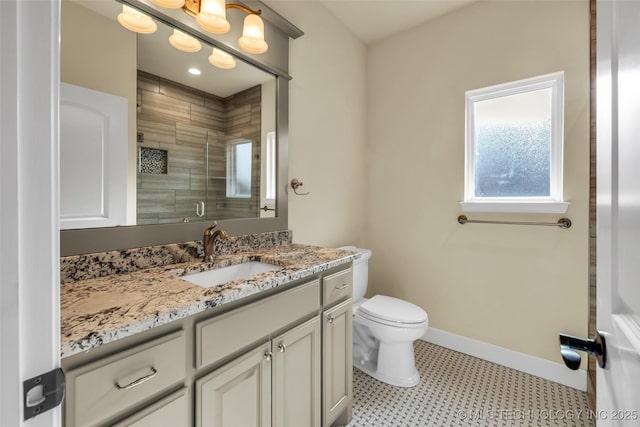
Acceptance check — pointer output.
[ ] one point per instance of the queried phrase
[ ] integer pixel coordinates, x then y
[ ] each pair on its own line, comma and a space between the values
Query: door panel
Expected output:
618, 259
93, 158
237, 394
296, 376
337, 360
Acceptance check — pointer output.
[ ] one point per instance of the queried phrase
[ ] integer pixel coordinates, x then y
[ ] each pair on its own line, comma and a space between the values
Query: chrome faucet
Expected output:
209, 241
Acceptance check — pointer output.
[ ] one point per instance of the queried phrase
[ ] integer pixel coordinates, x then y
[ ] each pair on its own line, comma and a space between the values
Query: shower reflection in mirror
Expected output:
182, 138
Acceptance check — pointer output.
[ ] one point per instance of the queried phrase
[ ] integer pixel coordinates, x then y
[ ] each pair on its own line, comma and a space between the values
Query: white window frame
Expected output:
270, 166
232, 185
554, 203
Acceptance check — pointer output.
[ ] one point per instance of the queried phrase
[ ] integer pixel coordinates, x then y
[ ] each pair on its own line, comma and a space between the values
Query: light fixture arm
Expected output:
243, 8
192, 7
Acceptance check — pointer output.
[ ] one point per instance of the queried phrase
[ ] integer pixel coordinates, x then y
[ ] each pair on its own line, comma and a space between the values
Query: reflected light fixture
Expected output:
134, 20
184, 42
211, 16
194, 71
221, 59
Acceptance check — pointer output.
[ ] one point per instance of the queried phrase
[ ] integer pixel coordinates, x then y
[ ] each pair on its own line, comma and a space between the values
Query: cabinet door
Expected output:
170, 411
296, 376
237, 394
337, 387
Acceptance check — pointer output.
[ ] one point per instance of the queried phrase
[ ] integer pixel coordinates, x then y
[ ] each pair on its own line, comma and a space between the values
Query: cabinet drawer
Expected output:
104, 388
337, 287
170, 411
225, 334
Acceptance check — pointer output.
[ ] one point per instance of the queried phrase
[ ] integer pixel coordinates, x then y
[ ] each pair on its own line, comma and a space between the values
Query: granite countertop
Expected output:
101, 310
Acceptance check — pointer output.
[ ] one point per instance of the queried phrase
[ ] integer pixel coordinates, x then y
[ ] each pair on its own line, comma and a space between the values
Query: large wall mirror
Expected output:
160, 141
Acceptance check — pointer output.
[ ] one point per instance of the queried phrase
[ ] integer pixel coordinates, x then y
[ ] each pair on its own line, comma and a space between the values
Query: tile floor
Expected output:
460, 390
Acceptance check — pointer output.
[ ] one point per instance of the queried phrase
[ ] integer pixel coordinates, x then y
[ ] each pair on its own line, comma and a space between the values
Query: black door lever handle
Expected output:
595, 346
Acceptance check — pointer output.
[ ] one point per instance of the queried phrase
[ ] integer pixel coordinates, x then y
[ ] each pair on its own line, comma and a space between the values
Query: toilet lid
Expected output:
393, 309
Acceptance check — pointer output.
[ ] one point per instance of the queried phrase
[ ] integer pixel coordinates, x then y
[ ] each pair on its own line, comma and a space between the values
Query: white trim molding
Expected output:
515, 207
29, 232
542, 368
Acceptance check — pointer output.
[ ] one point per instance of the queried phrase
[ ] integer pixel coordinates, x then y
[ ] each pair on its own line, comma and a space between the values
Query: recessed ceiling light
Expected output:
194, 71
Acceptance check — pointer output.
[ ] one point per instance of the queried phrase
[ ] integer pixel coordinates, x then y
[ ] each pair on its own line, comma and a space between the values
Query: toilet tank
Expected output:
360, 271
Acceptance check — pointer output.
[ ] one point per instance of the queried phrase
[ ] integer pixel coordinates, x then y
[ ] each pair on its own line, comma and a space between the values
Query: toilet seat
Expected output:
393, 312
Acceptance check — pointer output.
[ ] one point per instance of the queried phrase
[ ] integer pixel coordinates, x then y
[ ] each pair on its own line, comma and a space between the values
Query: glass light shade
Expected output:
252, 40
134, 20
221, 59
184, 42
213, 16
169, 4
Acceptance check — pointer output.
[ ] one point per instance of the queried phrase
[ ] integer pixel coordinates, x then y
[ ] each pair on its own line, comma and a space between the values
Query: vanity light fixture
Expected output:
211, 16
134, 20
169, 4
252, 40
221, 59
184, 42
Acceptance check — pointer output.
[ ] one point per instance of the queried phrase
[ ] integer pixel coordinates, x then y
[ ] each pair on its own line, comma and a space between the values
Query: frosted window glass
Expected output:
512, 147
271, 167
239, 169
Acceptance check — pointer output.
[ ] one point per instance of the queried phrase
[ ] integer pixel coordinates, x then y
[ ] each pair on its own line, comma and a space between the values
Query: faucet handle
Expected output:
209, 229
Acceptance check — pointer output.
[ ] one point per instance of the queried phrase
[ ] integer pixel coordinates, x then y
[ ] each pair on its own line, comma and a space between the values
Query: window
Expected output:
239, 169
514, 140
270, 193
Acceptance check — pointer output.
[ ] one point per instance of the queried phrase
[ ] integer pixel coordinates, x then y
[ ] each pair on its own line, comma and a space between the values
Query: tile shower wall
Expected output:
242, 121
186, 123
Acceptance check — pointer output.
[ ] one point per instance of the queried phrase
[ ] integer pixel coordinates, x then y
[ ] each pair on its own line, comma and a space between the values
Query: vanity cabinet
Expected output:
275, 384
281, 359
337, 365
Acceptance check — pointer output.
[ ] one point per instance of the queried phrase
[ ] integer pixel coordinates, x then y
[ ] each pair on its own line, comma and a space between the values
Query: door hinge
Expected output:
43, 392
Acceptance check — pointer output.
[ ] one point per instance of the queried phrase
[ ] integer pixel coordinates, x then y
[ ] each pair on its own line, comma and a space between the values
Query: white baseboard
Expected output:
542, 368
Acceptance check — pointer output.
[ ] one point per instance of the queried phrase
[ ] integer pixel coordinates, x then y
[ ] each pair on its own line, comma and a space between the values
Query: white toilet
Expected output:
384, 329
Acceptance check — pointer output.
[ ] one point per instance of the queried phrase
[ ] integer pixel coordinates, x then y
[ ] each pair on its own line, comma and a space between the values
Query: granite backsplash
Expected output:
100, 264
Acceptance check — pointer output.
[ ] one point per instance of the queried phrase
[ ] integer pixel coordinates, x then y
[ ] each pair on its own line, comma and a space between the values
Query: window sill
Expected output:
516, 207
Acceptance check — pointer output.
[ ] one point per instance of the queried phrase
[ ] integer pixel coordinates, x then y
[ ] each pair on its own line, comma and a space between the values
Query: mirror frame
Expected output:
274, 61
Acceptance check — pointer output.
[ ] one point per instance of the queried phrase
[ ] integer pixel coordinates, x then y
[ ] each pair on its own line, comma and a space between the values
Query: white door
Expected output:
618, 262
29, 235
93, 158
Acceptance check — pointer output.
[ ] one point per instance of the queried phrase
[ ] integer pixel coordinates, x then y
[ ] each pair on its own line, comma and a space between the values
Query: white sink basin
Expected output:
218, 276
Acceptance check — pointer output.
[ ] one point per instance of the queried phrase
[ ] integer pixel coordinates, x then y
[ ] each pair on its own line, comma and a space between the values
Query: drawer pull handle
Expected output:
282, 348
344, 285
330, 318
138, 381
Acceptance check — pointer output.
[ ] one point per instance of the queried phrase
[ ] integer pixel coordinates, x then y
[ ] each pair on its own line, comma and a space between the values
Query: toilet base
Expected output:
408, 382
392, 363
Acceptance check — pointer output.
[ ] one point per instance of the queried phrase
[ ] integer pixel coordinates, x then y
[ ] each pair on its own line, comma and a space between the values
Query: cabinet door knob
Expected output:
138, 381
330, 318
267, 356
282, 348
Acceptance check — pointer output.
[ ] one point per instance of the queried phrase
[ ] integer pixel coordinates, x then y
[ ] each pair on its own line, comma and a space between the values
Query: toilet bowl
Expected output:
384, 329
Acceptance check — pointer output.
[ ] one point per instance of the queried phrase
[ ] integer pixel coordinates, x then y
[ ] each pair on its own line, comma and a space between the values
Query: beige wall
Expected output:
97, 53
327, 127
515, 287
